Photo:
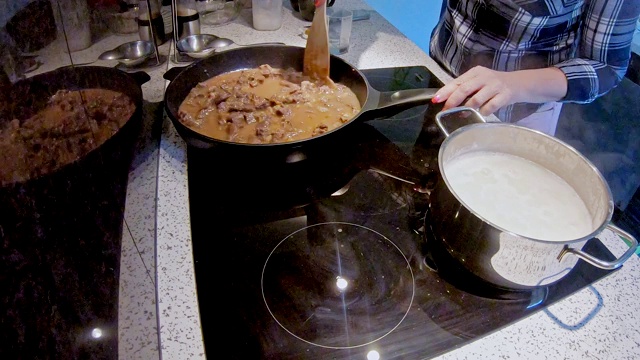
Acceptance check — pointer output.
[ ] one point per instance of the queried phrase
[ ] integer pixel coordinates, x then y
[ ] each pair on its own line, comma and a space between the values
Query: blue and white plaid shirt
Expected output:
589, 40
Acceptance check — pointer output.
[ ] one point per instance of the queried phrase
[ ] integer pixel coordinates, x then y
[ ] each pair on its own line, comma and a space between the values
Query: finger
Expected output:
482, 96
494, 104
463, 91
445, 92
471, 73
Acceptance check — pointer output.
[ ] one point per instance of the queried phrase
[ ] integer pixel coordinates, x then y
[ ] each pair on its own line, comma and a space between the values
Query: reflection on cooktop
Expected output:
327, 258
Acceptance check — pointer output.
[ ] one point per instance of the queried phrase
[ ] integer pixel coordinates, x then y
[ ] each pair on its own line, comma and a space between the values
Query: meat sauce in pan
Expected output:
266, 105
71, 125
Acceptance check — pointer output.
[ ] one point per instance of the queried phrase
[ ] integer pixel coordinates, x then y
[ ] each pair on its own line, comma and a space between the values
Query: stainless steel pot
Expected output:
497, 255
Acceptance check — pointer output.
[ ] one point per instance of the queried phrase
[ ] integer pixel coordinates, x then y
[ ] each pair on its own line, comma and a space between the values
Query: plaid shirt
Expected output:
589, 40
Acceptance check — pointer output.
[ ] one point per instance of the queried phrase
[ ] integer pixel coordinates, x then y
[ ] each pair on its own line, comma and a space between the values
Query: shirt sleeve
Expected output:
604, 49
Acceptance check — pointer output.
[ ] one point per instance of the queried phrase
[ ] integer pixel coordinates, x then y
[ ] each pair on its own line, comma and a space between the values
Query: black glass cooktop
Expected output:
331, 256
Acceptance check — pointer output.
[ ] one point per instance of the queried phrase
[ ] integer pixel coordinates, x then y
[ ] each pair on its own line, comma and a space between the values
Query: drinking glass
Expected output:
340, 22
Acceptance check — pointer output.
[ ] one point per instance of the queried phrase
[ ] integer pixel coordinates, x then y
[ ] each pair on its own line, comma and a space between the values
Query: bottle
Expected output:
144, 25
267, 14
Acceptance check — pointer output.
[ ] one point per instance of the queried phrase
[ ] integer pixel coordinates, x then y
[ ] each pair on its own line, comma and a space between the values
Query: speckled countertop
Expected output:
158, 306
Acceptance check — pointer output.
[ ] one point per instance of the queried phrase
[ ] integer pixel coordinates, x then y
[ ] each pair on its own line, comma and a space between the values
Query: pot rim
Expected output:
575, 152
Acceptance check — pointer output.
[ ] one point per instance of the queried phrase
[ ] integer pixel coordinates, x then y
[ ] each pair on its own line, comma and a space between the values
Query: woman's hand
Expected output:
489, 90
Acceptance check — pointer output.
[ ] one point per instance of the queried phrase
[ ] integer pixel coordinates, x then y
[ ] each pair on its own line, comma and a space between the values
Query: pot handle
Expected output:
474, 115
603, 264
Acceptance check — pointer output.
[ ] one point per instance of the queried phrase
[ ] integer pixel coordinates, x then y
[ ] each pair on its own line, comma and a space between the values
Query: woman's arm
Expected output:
600, 64
604, 49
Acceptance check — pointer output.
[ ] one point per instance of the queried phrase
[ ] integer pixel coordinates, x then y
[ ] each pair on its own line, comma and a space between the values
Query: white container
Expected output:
267, 14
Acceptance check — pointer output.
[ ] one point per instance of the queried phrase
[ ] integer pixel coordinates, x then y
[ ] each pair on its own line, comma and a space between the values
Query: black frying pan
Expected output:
374, 103
61, 232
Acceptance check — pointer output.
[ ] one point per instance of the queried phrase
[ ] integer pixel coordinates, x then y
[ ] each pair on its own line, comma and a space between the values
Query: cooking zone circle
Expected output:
337, 285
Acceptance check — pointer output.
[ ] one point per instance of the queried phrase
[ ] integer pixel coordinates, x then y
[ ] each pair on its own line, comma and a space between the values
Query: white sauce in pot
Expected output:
519, 195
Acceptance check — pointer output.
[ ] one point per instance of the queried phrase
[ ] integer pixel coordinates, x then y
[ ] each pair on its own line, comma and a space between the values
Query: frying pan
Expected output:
61, 231
374, 103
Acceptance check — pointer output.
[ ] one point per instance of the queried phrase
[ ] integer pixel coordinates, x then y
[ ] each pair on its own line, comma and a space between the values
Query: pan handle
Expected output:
140, 77
173, 72
410, 96
462, 112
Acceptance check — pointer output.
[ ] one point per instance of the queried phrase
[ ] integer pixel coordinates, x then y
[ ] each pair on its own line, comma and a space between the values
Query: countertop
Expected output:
158, 306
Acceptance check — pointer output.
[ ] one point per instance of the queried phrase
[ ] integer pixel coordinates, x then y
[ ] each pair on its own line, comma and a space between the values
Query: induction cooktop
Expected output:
331, 256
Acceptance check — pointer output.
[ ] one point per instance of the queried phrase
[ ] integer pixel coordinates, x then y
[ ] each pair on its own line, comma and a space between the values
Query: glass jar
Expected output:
267, 14
218, 12
73, 18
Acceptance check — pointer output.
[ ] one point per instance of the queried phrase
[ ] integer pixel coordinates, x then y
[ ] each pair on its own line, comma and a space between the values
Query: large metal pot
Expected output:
497, 255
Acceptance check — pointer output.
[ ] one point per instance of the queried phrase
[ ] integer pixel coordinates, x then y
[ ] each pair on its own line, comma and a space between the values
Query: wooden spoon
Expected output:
316, 53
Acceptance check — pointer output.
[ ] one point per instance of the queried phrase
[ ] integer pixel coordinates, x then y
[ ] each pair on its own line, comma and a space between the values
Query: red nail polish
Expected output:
435, 99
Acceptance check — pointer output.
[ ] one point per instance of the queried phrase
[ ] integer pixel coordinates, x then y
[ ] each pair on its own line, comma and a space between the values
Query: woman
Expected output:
521, 59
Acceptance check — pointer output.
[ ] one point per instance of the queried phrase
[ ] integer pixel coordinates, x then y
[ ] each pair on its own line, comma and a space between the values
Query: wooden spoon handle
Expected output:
316, 54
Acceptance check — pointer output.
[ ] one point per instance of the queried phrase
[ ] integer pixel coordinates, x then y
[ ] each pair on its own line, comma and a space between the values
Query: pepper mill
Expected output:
188, 18
146, 7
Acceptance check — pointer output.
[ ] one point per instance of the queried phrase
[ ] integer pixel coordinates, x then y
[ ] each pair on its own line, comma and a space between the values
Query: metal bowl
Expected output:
197, 46
135, 52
